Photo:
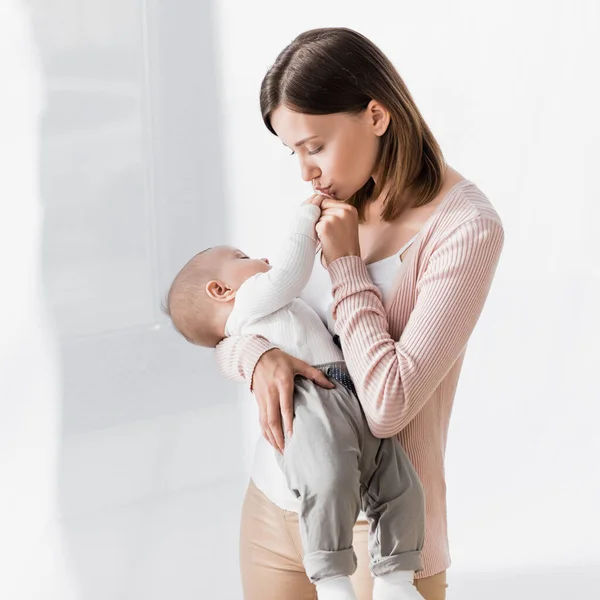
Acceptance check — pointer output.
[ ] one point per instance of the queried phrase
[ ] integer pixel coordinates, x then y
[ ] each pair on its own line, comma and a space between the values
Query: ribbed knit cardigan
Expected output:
405, 357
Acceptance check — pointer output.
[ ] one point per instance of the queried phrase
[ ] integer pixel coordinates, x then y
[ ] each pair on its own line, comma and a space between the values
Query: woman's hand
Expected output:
337, 230
315, 199
273, 387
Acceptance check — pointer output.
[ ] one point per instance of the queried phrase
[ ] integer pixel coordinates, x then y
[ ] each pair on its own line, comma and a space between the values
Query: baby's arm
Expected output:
265, 293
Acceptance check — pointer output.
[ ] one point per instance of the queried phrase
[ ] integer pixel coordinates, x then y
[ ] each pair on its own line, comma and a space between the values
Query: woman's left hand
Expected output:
337, 230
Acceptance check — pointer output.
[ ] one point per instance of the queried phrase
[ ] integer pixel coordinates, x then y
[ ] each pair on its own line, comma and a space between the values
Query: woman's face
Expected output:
337, 152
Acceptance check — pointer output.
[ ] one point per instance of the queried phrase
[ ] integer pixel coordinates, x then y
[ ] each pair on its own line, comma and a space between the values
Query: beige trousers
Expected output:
271, 556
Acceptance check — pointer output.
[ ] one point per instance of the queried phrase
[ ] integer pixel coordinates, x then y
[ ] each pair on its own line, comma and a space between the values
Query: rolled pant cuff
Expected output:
407, 561
323, 565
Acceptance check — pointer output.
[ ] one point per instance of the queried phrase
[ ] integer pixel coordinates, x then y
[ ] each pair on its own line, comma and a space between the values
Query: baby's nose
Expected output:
266, 260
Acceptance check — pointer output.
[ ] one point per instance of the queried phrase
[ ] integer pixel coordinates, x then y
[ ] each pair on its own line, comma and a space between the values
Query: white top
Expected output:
266, 474
317, 292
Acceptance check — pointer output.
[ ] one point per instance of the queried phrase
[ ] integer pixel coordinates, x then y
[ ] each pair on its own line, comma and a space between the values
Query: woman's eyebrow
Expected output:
301, 142
307, 139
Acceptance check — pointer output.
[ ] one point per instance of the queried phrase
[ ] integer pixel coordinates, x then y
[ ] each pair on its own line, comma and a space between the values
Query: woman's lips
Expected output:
325, 192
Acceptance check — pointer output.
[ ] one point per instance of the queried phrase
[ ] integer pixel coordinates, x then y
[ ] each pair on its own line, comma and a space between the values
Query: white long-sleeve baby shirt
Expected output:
267, 304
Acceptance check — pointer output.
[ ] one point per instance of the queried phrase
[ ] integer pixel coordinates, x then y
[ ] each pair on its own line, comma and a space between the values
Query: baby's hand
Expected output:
315, 199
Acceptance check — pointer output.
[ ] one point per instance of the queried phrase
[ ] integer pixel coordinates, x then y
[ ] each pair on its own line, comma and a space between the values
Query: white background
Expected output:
152, 147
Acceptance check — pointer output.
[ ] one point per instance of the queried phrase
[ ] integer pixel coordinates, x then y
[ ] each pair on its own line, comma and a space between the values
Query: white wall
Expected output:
29, 382
148, 484
510, 91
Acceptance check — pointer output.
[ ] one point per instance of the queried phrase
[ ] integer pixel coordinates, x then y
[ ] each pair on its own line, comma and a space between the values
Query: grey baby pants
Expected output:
336, 467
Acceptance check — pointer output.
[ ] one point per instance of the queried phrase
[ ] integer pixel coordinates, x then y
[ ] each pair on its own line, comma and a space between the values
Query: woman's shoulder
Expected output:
464, 205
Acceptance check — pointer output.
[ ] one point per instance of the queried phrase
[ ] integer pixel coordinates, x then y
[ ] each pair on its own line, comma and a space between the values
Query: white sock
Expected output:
338, 588
396, 586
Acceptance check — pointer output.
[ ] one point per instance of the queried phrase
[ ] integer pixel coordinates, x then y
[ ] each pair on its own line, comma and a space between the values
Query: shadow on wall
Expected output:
131, 177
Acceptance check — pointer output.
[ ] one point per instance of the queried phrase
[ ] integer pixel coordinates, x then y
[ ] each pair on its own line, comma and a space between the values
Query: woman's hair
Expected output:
337, 70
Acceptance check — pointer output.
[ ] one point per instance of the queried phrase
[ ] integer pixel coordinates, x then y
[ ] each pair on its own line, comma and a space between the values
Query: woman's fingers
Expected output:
286, 399
264, 424
315, 199
320, 379
267, 435
271, 439
329, 203
313, 374
274, 421
273, 385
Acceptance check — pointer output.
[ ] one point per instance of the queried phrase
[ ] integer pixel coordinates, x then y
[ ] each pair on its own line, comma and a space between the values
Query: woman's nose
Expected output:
309, 171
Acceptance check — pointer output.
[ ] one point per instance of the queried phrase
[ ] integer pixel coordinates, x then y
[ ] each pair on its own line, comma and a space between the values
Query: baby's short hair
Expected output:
190, 308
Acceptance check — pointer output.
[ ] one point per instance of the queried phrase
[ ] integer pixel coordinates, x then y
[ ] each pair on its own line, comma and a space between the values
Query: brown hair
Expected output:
337, 70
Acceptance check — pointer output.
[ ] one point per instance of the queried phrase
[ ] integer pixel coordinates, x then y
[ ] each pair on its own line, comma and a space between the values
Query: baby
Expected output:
332, 462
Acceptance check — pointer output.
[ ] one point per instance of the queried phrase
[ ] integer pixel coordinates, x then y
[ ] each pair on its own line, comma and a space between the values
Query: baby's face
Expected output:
236, 266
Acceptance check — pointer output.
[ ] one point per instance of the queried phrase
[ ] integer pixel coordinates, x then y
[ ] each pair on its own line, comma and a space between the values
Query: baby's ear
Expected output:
219, 291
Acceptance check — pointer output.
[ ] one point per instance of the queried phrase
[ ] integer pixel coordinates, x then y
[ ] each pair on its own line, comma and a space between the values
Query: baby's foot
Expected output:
338, 588
396, 586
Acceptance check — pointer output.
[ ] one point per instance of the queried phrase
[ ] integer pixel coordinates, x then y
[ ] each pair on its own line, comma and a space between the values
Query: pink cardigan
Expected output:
405, 358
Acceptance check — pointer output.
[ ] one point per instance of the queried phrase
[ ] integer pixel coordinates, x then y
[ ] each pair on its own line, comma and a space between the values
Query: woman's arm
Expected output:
395, 379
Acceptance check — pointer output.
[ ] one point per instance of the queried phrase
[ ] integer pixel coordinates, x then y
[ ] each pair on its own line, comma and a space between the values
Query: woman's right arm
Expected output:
269, 372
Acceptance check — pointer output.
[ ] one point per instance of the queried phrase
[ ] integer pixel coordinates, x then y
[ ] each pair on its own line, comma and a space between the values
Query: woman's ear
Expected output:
379, 117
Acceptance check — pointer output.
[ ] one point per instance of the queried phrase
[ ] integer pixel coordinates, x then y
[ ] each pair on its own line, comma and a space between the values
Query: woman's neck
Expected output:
374, 209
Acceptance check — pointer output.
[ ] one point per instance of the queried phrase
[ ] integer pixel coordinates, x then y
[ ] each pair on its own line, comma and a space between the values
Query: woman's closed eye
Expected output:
309, 152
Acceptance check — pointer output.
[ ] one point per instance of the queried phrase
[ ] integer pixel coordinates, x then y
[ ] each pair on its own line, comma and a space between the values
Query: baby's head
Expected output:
203, 293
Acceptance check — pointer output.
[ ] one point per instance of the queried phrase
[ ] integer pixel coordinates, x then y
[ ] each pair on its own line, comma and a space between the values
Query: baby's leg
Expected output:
321, 464
394, 503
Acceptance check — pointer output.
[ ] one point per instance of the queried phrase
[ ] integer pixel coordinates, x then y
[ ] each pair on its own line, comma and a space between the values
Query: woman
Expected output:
409, 250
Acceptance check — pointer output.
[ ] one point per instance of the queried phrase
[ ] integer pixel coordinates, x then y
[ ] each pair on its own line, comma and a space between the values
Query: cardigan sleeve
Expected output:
238, 355
394, 379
